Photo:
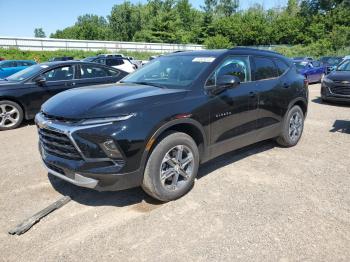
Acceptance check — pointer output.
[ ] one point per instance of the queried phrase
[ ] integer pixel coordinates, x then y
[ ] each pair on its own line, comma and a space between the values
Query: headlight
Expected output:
327, 80
96, 121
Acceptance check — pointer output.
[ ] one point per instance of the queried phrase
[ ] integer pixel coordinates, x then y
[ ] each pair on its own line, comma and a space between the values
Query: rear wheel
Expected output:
11, 115
293, 127
172, 167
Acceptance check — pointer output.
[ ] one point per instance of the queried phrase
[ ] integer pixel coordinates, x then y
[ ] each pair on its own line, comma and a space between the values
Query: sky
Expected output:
20, 17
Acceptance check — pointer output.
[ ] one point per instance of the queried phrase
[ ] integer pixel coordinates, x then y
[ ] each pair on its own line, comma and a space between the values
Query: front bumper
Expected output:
73, 165
328, 95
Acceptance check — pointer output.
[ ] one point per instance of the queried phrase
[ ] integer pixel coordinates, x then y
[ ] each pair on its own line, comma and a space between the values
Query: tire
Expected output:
11, 115
293, 122
164, 161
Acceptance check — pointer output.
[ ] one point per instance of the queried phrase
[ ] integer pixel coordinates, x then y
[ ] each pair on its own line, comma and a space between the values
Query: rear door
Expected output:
271, 88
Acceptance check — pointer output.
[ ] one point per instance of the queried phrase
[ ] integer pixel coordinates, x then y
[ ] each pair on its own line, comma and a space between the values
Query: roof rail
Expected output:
254, 49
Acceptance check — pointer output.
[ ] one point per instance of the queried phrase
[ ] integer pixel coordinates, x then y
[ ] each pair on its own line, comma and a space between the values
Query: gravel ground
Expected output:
260, 203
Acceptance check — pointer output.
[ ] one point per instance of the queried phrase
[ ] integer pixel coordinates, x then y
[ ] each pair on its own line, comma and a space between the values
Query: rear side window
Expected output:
92, 71
264, 68
114, 62
282, 67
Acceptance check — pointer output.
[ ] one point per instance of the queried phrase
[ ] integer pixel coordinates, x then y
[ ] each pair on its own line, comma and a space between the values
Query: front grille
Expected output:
341, 89
58, 144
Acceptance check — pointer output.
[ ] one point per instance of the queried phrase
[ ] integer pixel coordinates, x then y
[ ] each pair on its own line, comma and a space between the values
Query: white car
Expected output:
115, 61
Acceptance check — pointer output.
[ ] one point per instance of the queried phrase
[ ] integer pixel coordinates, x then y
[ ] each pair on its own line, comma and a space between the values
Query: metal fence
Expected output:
51, 44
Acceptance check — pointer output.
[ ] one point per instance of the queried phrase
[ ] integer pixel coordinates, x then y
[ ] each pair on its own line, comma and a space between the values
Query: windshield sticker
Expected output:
44, 66
203, 59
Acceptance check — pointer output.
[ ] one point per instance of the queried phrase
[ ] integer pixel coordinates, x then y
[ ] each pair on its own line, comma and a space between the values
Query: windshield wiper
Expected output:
145, 83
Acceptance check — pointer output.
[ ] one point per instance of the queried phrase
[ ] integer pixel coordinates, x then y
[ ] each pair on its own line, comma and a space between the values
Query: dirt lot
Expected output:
261, 203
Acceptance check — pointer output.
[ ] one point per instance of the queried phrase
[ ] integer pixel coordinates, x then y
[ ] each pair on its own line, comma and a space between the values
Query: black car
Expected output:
336, 85
330, 62
23, 93
155, 127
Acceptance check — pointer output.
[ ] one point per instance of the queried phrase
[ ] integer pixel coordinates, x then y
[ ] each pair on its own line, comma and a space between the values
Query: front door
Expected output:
233, 113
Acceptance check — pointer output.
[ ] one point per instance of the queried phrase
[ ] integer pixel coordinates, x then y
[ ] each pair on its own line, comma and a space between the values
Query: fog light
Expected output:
111, 150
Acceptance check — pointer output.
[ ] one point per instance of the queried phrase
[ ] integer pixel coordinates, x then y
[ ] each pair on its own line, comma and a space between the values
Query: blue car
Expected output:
312, 70
9, 67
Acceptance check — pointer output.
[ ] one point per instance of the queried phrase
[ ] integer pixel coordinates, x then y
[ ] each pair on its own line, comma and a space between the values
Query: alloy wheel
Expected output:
9, 115
176, 169
295, 126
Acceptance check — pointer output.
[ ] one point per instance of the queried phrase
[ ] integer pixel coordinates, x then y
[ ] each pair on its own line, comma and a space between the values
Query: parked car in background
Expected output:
115, 61
336, 85
346, 57
330, 62
156, 126
61, 58
1, 58
303, 58
22, 94
9, 67
312, 71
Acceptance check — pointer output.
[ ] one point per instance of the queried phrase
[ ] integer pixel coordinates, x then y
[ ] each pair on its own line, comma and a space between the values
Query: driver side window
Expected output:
235, 66
60, 74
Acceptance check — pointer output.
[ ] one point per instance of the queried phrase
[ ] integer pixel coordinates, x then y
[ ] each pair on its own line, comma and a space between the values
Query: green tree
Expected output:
125, 20
39, 32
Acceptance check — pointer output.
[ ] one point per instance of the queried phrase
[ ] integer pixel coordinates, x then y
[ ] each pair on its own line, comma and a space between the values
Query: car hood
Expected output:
339, 76
108, 100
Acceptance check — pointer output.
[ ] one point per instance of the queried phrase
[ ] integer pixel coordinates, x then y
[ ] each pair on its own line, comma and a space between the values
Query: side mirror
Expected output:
227, 81
40, 80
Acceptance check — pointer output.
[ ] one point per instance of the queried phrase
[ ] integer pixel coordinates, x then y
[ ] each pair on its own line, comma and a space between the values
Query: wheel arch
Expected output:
300, 102
189, 126
12, 99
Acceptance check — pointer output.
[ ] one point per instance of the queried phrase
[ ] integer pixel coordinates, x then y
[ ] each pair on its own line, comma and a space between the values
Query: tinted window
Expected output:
345, 66
100, 61
114, 62
91, 71
59, 74
235, 66
264, 68
281, 66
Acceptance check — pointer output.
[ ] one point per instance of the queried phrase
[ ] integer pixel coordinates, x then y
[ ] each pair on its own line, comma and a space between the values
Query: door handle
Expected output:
285, 85
70, 84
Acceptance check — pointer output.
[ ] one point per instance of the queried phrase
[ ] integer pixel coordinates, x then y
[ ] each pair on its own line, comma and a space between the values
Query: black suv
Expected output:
155, 127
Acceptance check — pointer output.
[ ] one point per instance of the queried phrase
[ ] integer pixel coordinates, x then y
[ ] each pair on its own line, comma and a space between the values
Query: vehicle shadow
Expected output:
341, 126
133, 196
318, 100
234, 156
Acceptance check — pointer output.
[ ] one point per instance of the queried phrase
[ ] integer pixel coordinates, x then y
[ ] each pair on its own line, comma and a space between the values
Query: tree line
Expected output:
324, 24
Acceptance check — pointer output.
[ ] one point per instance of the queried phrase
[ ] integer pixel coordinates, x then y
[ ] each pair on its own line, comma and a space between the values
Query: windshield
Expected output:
170, 71
26, 73
345, 66
300, 65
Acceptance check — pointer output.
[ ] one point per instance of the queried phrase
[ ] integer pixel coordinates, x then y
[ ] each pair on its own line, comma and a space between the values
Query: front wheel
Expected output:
11, 115
293, 127
172, 167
